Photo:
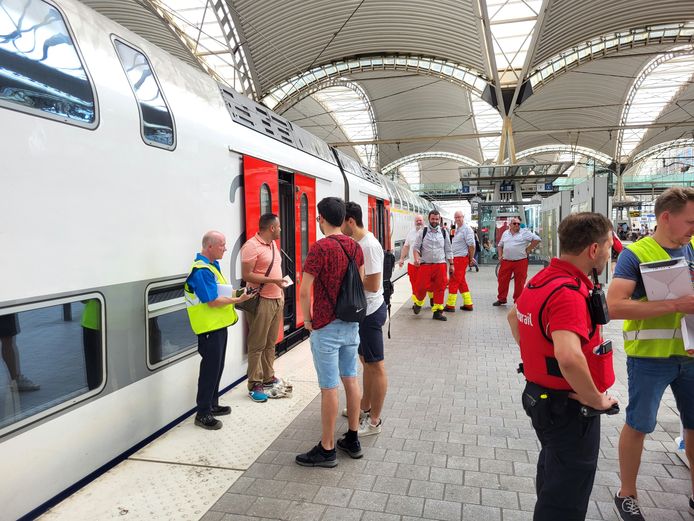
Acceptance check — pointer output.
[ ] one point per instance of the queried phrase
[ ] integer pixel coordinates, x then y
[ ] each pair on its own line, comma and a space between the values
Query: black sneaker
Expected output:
691, 505
207, 421
352, 448
438, 315
220, 410
499, 303
627, 508
416, 309
431, 302
317, 457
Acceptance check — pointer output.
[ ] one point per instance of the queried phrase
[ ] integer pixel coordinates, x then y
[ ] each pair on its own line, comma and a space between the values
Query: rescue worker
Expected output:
463, 246
566, 364
210, 314
432, 252
656, 357
513, 249
406, 253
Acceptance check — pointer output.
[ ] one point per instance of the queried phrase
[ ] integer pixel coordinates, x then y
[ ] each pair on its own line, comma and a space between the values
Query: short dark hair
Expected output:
332, 209
266, 220
673, 200
580, 230
353, 210
433, 212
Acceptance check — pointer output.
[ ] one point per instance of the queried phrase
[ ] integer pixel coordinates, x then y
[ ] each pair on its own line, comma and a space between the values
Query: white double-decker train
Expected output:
117, 157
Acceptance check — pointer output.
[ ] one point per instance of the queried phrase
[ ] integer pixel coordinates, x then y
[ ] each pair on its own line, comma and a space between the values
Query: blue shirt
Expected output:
202, 282
628, 266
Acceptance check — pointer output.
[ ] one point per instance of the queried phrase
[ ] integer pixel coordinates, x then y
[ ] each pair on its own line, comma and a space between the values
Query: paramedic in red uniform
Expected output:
432, 253
560, 344
513, 248
406, 253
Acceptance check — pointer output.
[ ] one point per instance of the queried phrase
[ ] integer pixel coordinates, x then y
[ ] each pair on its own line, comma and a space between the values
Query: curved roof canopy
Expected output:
462, 77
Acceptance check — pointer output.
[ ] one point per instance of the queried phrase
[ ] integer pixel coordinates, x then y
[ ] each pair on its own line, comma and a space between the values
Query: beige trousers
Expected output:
263, 327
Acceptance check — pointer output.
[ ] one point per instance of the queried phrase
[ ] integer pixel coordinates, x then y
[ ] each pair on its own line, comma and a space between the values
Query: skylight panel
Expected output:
512, 23
411, 173
652, 92
352, 112
207, 39
487, 119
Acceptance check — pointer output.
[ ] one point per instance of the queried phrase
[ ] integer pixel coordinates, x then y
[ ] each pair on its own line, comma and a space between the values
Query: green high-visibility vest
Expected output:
204, 318
657, 337
91, 316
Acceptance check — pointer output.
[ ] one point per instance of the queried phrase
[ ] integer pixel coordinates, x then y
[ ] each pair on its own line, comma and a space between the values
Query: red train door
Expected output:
378, 221
292, 197
261, 195
305, 218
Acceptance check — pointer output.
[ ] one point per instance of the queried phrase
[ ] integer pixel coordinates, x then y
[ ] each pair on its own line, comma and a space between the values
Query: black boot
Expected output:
438, 315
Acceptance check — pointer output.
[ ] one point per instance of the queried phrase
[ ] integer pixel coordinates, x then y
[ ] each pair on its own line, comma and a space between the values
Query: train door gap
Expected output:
381, 223
288, 241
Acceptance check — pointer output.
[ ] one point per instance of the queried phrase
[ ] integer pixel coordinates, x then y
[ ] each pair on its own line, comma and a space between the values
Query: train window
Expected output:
157, 125
53, 356
41, 70
265, 199
169, 336
303, 211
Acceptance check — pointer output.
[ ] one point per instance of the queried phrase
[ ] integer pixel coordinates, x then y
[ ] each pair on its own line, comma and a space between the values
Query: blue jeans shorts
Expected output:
648, 378
334, 349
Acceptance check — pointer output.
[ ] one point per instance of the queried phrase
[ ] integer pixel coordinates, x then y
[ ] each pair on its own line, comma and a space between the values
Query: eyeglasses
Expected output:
518, 224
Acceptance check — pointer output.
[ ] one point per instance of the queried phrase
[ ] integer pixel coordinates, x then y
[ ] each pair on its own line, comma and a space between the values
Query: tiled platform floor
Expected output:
456, 443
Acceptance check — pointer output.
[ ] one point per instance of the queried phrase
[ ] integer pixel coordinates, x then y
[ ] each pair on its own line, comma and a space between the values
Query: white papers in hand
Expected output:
666, 280
225, 290
288, 281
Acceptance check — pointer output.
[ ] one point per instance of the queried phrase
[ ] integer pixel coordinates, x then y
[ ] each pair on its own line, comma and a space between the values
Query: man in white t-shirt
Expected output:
406, 253
371, 328
513, 249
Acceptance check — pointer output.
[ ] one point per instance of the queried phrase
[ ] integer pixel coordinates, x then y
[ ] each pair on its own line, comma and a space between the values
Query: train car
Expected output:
117, 159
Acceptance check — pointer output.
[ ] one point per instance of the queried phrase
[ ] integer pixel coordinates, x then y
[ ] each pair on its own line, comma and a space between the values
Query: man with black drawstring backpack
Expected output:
557, 324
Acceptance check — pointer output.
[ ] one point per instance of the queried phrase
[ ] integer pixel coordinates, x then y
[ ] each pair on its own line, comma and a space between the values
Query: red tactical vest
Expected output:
537, 351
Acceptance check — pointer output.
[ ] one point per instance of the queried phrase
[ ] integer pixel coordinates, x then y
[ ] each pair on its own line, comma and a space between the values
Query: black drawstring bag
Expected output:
351, 300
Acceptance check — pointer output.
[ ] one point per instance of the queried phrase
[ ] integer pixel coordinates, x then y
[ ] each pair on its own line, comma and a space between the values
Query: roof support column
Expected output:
507, 143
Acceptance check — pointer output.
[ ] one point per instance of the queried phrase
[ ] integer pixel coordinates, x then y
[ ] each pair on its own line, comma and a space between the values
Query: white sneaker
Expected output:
24, 384
367, 429
362, 414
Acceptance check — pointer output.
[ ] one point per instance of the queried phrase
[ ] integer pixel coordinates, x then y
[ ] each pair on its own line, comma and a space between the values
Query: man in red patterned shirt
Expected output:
334, 342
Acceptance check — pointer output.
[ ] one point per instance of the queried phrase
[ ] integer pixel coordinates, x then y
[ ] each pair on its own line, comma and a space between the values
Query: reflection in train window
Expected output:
265, 199
51, 355
303, 211
168, 329
155, 116
40, 68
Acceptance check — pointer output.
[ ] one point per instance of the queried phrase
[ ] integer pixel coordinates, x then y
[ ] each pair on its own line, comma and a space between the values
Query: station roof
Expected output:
387, 80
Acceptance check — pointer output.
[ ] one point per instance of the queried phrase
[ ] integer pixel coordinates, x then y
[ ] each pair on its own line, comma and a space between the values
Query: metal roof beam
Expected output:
456, 137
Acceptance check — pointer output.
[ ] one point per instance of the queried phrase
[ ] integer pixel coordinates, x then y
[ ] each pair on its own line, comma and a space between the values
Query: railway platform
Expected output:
455, 444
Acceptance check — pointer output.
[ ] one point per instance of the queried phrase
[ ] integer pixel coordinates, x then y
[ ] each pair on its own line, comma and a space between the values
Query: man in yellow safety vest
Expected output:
210, 314
656, 357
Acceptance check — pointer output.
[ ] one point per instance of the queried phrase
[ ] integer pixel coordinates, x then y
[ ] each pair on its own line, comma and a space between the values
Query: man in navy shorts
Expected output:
371, 329
653, 341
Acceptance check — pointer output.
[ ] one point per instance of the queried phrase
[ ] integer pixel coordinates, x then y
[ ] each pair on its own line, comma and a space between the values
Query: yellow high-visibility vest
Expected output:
657, 337
204, 318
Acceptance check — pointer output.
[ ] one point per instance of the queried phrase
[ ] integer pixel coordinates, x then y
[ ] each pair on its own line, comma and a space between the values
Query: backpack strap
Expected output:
574, 284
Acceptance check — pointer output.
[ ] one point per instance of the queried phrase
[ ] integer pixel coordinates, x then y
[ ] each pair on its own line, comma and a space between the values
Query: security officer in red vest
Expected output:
557, 324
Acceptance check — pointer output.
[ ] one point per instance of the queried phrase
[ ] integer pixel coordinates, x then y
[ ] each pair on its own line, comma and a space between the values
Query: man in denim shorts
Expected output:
334, 342
653, 341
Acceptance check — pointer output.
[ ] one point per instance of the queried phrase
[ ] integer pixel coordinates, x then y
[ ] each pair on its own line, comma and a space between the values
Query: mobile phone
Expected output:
239, 292
251, 291
603, 348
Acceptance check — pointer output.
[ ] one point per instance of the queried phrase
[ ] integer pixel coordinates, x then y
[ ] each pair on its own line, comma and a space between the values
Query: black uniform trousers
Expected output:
212, 347
566, 465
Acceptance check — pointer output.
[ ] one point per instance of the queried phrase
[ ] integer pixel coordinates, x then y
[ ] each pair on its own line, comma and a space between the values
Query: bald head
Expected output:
418, 221
214, 245
459, 218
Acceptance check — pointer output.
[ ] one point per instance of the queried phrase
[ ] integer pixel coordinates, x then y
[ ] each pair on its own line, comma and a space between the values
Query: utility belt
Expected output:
546, 406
